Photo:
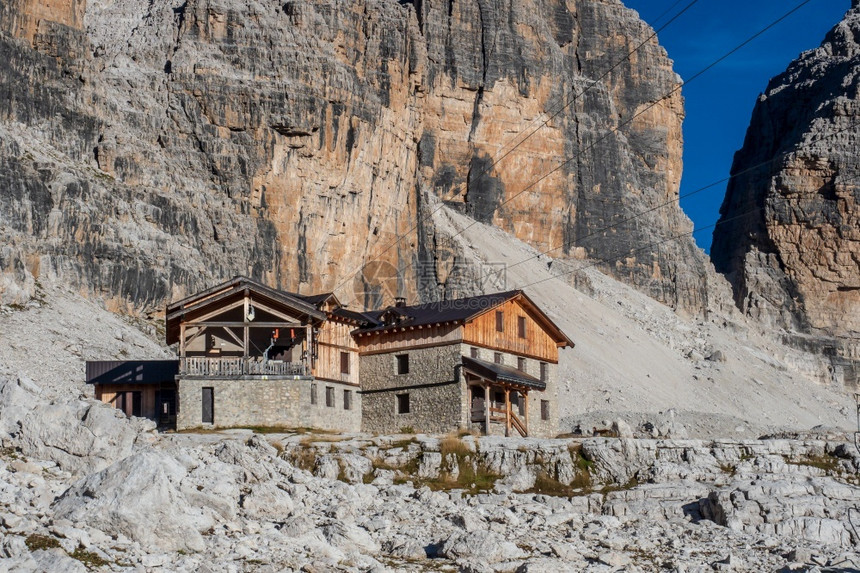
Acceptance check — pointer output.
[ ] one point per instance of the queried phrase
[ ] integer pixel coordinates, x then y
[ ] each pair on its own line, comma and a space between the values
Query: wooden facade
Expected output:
535, 342
337, 352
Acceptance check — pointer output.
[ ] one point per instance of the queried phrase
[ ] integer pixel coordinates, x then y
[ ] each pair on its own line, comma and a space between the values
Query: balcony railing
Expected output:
226, 367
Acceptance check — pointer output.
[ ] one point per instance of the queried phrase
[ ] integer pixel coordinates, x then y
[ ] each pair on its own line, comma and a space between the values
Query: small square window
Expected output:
402, 363
313, 393
521, 364
500, 321
474, 352
403, 403
329, 396
521, 326
544, 409
544, 371
347, 399
344, 362
497, 357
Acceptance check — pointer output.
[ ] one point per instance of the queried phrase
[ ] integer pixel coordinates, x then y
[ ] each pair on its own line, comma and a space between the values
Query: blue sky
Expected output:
719, 103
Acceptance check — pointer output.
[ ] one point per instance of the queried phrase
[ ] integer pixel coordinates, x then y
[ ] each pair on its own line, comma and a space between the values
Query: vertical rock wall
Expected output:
789, 236
149, 149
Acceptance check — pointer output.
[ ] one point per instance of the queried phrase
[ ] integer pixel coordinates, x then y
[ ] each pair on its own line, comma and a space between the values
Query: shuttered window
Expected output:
500, 321
521, 326
344, 362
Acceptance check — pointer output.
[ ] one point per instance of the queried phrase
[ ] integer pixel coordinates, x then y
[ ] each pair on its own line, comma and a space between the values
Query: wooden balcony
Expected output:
233, 367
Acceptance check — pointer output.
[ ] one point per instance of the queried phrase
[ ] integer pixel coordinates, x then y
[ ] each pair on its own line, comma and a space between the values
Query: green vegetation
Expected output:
35, 542
407, 430
88, 558
827, 463
303, 457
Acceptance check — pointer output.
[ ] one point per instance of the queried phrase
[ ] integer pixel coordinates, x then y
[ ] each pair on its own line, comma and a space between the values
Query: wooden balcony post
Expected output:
507, 412
487, 409
525, 397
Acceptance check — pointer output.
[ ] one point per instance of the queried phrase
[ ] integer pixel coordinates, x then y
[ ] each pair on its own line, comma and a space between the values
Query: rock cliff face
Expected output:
149, 149
789, 236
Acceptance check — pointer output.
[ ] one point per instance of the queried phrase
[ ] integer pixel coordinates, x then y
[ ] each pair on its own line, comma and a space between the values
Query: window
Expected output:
474, 352
500, 321
497, 357
544, 371
402, 363
403, 403
544, 409
313, 393
521, 326
329, 396
521, 364
347, 399
344, 362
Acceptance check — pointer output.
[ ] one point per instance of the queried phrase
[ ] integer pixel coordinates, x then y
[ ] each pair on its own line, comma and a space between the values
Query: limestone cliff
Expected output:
789, 236
151, 148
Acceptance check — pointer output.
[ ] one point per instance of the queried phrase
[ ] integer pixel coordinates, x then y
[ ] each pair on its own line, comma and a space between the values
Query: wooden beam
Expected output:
220, 324
525, 397
200, 330
218, 311
507, 412
487, 409
246, 335
235, 338
182, 341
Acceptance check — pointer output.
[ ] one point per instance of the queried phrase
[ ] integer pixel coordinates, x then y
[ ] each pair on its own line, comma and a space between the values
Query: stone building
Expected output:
250, 355
486, 362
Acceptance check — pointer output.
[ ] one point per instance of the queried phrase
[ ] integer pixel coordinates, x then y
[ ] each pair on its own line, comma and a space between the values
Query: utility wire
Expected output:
750, 169
649, 107
606, 135
597, 262
553, 115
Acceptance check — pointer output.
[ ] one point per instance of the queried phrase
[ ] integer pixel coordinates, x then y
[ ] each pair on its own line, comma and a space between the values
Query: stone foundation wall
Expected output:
432, 408
252, 401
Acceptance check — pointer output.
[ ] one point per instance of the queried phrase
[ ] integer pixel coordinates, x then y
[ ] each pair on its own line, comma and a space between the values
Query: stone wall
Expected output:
276, 401
434, 384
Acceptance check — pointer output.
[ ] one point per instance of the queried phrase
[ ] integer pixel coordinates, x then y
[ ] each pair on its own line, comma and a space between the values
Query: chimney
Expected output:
399, 301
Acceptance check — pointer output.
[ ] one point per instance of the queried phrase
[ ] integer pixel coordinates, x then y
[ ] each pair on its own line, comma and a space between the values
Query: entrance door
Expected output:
208, 405
129, 403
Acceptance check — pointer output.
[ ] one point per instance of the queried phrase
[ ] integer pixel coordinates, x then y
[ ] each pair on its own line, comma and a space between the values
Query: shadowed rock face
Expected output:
150, 149
789, 236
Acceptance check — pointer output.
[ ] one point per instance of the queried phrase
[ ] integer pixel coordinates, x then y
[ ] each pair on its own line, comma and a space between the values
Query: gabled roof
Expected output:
501, 373
459, 310
229, 291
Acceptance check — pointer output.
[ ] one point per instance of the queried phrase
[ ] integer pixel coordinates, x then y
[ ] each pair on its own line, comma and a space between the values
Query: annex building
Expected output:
250, 355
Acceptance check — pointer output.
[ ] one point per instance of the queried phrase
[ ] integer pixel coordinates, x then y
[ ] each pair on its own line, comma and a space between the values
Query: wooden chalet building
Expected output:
486, 362
250, 355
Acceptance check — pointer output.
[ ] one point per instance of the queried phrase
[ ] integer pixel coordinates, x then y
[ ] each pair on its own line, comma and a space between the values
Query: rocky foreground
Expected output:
82, 486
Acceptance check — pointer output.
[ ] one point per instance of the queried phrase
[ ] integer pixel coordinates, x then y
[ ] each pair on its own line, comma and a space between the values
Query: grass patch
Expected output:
827, 463
88, 558
35, 542
633, 482
407, 430
303, 457
452, 444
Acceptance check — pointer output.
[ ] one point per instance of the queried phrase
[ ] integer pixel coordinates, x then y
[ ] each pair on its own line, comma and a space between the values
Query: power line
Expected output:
608, 133
553, 115
683, 196
648, 246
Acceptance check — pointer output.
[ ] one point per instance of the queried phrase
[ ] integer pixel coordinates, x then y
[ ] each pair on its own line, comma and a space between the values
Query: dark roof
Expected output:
358, 318
501, 373
456, 310
314, 299
131, 371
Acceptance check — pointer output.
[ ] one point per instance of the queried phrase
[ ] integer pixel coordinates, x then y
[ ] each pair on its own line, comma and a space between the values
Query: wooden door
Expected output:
208, 406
